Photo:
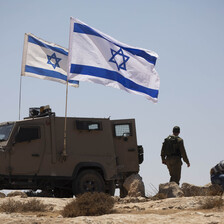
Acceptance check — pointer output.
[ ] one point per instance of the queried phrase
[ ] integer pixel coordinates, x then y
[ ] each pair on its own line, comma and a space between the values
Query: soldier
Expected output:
217, 174
172, 152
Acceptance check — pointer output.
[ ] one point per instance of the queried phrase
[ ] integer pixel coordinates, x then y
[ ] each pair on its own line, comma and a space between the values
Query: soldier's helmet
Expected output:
176, 129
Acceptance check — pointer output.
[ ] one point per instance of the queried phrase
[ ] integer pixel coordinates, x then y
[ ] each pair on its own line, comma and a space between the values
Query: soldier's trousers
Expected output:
174, 164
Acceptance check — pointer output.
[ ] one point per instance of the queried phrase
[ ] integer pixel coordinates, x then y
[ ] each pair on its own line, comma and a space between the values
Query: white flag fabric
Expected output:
99, 58
45, 60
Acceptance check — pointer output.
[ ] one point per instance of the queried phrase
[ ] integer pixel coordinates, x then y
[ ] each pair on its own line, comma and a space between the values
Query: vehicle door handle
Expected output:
35, 155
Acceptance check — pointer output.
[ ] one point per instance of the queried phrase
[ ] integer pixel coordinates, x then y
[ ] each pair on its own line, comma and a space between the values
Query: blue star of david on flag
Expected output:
117, 57
54, 57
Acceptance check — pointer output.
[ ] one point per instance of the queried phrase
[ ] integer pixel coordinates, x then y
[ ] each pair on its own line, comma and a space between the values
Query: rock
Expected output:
2, 195
134, 185
207, 190
17, 193
171, 190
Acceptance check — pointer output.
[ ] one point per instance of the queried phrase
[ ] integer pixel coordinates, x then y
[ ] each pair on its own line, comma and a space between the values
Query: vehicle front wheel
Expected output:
88, 181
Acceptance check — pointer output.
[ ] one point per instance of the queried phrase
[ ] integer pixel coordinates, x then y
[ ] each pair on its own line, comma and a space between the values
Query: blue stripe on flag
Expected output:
48, 73
40, 43
80, 28
114, 76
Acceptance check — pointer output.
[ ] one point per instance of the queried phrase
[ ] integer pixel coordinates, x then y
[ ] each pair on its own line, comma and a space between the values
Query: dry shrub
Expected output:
159, 196
215, 190
33, 205
211, 202
10, 206
89, 204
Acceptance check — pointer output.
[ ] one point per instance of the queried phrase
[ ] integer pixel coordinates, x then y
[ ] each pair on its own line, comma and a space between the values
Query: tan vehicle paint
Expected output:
100, 154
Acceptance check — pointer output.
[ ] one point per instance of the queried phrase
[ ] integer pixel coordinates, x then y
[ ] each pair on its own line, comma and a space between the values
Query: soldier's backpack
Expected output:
171, 146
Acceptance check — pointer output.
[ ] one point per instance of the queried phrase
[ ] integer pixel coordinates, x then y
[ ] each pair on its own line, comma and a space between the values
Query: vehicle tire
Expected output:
88, 181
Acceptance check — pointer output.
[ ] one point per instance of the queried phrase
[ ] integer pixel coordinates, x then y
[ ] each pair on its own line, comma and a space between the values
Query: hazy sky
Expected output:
188, 37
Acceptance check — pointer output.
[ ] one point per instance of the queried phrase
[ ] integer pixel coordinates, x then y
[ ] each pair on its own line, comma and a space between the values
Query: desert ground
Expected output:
128, 210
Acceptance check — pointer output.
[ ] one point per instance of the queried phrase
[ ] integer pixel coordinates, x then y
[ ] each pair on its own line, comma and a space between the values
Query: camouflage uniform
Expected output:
174, 162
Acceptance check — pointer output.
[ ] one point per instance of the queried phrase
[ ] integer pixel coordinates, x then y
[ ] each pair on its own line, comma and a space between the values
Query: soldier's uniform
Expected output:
217, 174
173, 160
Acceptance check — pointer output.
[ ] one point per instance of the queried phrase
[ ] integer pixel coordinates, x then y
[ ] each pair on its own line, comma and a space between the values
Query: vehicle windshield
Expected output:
5, 131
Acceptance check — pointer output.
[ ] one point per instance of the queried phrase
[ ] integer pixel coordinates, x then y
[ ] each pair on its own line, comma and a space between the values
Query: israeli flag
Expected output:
99, 58
45, 60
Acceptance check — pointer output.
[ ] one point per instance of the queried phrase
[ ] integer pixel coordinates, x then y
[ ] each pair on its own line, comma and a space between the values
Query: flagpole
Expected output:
23, 69
20, 90
64, 153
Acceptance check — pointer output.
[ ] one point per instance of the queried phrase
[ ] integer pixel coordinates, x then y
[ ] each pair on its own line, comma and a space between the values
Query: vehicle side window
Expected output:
28, 134
5, 131
88, 125
122, 130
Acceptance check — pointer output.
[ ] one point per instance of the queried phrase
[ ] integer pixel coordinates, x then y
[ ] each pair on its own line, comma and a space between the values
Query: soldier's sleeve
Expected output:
183, 152
163, 154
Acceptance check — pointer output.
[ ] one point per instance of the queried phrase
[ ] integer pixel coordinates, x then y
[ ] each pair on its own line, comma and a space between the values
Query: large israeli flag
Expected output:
45, 60
97, 57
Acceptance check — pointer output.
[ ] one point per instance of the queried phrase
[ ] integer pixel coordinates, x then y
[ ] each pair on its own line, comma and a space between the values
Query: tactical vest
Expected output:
171, 146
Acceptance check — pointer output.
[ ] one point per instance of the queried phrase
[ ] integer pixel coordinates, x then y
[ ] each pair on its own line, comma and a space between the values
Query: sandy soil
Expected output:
129, 210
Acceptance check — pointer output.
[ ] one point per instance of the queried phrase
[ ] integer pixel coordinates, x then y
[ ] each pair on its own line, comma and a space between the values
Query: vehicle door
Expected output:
125, 145
5, 132
27, 149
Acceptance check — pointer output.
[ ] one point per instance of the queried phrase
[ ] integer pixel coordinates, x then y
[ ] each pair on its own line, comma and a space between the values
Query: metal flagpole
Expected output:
64, 153
20, 90
23, 69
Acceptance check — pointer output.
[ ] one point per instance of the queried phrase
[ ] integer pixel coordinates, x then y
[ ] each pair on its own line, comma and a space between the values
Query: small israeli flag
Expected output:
45, 60
99, 58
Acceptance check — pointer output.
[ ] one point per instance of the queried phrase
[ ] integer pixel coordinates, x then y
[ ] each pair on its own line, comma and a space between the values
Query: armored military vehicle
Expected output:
100, 153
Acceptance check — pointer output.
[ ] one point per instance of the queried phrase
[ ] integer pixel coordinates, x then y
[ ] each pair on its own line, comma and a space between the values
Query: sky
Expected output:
188, 37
